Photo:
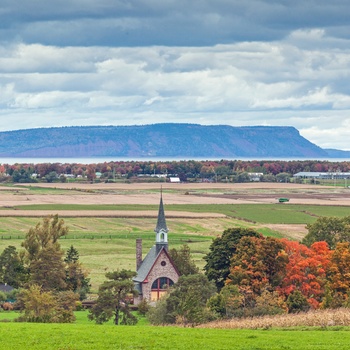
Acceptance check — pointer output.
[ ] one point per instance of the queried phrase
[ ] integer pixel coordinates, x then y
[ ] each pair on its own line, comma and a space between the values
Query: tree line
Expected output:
186, 170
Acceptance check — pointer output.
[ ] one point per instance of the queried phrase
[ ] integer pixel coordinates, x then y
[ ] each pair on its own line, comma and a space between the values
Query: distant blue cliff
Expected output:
159, 140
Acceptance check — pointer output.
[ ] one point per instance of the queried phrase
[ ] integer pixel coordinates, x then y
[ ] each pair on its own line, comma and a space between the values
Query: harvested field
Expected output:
189, 193
293, 232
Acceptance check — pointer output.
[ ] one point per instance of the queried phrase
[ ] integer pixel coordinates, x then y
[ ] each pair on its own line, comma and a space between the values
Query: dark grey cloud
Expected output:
165, 22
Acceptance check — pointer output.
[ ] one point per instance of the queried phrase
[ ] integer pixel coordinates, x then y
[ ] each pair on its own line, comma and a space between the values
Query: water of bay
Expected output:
95, 160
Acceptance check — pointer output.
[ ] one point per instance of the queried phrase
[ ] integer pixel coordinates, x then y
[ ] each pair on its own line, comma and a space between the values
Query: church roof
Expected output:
161, 222
147, 264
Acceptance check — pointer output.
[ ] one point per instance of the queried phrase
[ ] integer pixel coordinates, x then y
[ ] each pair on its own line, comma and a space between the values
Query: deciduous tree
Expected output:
44, 254
186, 302
306, 270
38, 305
258, 264
329, 229
221, 250
338, 289
183, 261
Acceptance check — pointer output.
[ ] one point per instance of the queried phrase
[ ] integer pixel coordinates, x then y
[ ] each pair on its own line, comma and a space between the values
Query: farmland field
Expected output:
17, 336
105, 219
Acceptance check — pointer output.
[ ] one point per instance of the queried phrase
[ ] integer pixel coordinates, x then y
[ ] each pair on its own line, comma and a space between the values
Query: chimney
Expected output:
138, 253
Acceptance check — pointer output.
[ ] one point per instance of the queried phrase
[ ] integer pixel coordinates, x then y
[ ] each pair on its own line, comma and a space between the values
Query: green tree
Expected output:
44, 255
12, 269
218, 260
38, 305
76, 276
228, 303
183, 260
332, 230
48, 269
113, 299
186, 302
297, 302
51, 176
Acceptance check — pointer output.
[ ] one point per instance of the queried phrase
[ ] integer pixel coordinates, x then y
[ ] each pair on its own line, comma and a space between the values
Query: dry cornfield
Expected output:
315, 318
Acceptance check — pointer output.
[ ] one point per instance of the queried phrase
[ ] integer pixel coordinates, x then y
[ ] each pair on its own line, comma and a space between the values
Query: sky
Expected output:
209, 62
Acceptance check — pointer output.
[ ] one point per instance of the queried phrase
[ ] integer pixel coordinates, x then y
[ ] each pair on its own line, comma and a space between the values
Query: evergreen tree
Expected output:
76, 276
12, 269
113, 299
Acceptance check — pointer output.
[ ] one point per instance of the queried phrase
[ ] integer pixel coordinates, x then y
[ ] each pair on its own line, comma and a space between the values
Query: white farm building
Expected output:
317, 175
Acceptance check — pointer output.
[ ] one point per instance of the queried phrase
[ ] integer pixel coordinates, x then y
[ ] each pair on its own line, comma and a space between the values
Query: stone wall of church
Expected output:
163, 267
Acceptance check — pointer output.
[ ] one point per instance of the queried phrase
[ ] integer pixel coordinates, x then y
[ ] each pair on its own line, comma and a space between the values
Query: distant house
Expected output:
156, 272
255, 176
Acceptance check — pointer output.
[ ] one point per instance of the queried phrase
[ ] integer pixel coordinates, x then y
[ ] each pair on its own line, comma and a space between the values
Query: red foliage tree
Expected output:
306, 270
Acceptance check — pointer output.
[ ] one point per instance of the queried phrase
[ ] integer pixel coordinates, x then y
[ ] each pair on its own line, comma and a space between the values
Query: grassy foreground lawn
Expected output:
18, 336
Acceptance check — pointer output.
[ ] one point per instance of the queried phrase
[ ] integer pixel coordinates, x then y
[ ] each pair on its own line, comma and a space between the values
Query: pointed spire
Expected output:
161, 222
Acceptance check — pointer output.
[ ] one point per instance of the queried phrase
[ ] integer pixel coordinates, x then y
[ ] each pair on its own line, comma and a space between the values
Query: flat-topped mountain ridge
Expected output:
159, 140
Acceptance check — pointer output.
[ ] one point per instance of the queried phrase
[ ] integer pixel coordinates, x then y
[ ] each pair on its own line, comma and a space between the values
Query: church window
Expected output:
160, 287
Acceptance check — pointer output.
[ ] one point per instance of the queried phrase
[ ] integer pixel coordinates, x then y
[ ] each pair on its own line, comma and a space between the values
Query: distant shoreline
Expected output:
92, 160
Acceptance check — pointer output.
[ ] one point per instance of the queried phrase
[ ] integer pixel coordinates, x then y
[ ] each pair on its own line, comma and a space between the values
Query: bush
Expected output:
79, 306
143, 307
7, 306
3, 296
157, 315
297, 302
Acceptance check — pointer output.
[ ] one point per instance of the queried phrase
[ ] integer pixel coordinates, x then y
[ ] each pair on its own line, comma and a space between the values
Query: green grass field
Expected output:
17, 336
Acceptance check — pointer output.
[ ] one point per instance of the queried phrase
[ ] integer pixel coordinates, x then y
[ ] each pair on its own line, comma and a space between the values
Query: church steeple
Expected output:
161, 229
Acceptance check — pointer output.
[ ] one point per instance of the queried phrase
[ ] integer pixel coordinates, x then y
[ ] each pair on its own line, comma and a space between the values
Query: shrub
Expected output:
143, 307
79, 306
297, 302
7, 306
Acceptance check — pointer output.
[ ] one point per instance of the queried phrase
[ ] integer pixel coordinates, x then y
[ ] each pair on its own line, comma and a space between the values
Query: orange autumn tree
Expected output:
306, 271
339, 277
257, 266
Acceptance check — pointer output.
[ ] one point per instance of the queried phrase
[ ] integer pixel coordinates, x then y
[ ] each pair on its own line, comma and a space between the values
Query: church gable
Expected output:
162, 275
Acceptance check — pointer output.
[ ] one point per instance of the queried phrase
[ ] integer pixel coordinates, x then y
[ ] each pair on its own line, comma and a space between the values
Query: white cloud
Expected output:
285, 82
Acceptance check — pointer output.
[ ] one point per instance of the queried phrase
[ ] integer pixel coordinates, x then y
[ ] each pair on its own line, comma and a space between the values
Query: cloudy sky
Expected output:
127, 62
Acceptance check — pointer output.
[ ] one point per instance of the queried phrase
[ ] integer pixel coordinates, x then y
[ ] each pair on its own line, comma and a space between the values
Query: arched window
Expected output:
159, 287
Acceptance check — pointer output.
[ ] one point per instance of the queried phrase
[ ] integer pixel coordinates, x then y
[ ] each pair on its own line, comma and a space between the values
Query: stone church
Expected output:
156, 272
